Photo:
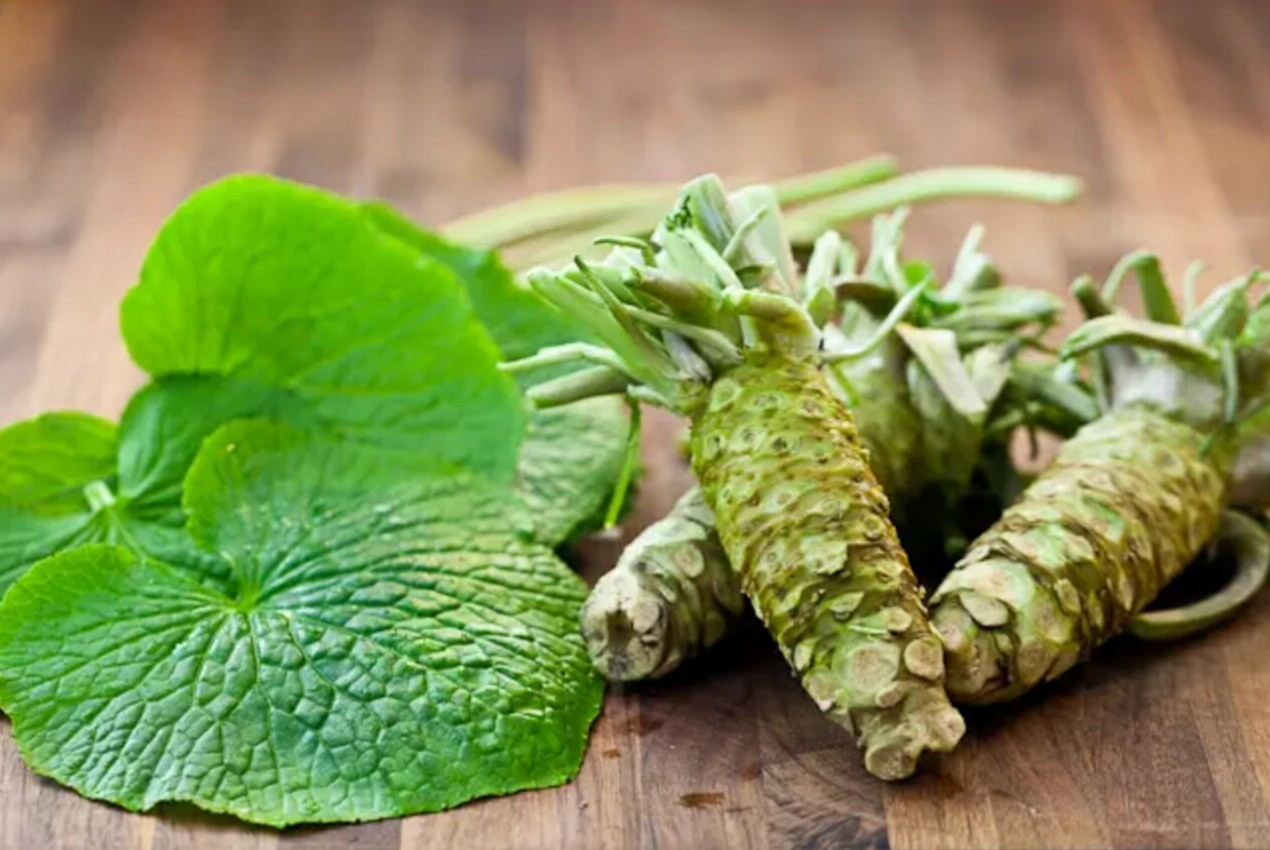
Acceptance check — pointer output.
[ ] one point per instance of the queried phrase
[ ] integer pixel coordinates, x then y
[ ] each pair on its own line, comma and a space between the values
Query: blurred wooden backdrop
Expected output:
110, 112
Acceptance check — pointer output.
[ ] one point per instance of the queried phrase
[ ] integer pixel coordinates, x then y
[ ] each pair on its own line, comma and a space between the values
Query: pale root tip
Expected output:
625, 629
892, 761
947, 727
937, 730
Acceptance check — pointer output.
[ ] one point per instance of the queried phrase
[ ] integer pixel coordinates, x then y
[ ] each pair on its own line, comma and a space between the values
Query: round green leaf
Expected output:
288, 287
384, 647
572, 456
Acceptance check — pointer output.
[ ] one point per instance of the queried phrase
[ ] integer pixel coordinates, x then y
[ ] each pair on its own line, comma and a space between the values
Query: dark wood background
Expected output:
110, 112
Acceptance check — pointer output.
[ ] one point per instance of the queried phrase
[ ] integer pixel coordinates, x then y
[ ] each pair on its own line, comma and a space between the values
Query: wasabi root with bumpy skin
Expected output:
1123, 509
805, 524
671, 595
1129, 501
711, 319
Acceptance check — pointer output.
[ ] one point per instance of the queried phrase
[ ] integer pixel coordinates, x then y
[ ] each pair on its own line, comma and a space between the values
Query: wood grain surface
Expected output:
110, 112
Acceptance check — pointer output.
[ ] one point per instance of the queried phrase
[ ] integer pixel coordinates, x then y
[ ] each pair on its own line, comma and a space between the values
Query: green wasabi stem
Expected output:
1129, 501
623, 485
813, 203
98, 496
1240, 538
921, 412
584, 383
806, 222
1157, 301
555, 212
924, 394
817, 185
571, 218
1041, 396
781, 465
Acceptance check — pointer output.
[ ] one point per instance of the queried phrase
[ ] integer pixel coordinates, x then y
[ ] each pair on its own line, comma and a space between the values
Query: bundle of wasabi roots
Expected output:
851, 408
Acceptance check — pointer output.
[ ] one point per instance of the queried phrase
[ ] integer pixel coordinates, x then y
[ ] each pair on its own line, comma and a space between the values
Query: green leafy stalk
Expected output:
1250, 476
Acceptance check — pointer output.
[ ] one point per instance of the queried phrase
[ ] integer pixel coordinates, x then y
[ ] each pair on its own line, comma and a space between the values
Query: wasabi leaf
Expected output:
518, 320
68, 479
379, 647
271, 283
45, 464
572, 455
569, 463
261, 298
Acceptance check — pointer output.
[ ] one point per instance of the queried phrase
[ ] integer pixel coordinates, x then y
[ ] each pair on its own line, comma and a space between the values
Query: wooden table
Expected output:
111, 112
